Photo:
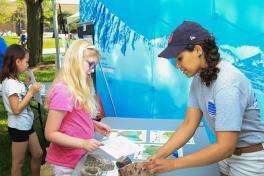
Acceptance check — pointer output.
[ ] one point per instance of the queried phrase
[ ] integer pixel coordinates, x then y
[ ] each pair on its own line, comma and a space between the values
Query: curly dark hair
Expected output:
212, 57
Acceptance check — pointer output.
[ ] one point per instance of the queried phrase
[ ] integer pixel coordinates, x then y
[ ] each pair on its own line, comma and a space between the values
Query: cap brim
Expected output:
171, 51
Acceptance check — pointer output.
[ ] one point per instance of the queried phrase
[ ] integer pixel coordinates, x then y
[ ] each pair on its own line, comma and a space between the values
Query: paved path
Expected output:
52, 50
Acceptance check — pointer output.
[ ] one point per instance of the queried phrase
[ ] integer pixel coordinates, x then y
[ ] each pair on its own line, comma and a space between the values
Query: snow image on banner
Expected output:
141, 84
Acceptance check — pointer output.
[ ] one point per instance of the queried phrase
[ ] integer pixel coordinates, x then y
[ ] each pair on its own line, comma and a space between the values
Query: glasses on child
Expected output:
91, 64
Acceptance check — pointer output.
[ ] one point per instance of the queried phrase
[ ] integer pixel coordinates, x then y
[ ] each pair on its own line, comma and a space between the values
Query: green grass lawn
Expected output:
5, 142
47, 42
45, 73
42, 75
49, 58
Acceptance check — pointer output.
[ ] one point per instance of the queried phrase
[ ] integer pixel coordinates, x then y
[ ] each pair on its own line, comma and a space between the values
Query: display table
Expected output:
200, 141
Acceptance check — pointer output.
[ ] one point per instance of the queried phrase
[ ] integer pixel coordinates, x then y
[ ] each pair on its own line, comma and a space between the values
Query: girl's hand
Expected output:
160, 165
91, 144
102, 128
35, 88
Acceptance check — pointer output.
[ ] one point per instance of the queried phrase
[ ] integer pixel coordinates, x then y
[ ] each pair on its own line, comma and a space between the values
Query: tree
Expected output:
6, 12
48, 14
19, 16
35, 30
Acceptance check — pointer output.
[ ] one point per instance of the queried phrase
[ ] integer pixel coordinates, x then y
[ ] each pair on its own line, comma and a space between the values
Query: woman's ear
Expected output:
199, 50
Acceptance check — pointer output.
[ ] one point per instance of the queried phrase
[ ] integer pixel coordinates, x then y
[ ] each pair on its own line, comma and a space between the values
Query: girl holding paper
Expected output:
72, 108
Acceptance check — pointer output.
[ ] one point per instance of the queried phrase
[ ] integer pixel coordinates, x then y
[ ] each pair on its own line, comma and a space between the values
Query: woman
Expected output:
224, 96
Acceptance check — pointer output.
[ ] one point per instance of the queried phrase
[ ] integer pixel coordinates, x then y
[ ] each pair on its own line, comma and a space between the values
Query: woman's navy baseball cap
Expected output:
186, 33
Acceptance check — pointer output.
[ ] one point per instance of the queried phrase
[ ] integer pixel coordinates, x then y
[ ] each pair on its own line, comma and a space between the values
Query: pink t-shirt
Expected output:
76, 123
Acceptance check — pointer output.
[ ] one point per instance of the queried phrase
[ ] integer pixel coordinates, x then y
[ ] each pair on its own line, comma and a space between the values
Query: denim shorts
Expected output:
247, 164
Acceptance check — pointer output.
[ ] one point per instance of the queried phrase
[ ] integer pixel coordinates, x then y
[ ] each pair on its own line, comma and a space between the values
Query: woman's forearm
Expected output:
223, 148
209, 155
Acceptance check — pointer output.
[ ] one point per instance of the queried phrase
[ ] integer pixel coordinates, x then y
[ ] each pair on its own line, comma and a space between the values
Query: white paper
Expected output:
118, 146
37, 96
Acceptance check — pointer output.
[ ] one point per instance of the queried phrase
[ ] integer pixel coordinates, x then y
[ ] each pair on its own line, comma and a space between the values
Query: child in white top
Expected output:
16, 99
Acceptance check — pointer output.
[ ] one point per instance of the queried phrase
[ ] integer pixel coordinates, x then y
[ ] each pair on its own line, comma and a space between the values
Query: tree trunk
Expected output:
34, 30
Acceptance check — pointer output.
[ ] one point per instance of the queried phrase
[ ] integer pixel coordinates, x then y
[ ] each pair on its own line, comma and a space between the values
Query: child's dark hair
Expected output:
212, 57
12, 53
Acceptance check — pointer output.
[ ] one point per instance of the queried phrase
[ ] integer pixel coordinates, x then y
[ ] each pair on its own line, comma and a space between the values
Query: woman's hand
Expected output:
154, 157
91, 144
160, 165
102, 128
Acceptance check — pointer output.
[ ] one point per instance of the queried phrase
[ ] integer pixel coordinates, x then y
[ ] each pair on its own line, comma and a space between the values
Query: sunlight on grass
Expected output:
45, 75
11, 40
50, 43
49, 58
47, 42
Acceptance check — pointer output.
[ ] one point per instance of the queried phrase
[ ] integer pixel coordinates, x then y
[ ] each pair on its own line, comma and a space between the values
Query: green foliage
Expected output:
6, 12
20, 15
47, 42
47, 12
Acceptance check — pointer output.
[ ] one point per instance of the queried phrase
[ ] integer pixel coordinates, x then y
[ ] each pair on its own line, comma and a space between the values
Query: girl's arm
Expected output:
182, 134
53, 134
18, 106
223, 148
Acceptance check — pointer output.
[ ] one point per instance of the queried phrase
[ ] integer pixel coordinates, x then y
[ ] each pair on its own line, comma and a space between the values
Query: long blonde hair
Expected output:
73, 75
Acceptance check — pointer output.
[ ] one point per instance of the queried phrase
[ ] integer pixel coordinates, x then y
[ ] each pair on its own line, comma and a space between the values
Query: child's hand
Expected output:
91, 144
102, 128
35, 88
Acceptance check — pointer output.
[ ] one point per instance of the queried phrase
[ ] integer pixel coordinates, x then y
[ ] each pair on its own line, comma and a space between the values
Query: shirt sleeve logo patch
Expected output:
211, 109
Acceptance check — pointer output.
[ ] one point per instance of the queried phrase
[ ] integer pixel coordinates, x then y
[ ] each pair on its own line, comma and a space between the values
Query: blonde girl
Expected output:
72, 107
